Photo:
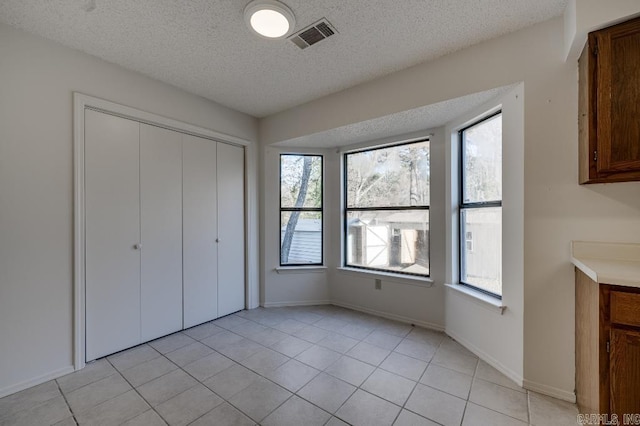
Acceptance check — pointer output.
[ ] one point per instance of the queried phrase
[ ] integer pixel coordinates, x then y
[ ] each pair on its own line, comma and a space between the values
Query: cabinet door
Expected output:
231, 253
625, 371
161, 231
112, 221
199, 210
618, 98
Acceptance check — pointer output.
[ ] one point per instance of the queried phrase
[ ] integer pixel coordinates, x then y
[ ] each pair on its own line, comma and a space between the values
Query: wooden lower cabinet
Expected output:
607, 348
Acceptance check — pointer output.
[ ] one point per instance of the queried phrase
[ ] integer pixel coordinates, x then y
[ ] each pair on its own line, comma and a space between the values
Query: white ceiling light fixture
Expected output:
269, 19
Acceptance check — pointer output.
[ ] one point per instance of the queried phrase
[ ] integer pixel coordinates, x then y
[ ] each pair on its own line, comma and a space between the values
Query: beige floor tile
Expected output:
230, 321
250, 328
231, 381
291, 346
132, 357
545, 411
295, 412
187, 406
44, 414
476, 415
327, 392
350, 370
93, 372
337, 342
189, 354
69, 421
357, 331
222, 339
446, 380
203, 331
318, 357
336, 422
486, 372
311, 334
389, 386
435, 405
264, 361
97, 392
114, 411
166, 387
364, 409
259, 399
28, 398
407, 418
404, 366
290, 326
224, 415
292, 375
455, 360
208, 366
425, 335
394, 327
147, 371
368, 353
240, 350
383, 340
331, 324
171, 342
498, 398
148, 418
268, 337
419, 350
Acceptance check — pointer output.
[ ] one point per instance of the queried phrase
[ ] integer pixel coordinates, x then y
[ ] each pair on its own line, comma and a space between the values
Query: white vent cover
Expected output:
313, 34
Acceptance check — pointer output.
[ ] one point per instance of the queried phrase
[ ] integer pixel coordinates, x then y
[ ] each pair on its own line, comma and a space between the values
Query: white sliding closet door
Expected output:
199, 230
112, 212
161, 231
231, 253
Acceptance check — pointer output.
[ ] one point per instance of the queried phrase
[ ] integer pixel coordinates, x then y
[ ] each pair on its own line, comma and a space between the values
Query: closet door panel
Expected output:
161, 231
112, 221
231, 250
200, 252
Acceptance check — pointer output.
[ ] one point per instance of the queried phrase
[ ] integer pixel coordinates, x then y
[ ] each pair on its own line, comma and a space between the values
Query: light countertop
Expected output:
608, 263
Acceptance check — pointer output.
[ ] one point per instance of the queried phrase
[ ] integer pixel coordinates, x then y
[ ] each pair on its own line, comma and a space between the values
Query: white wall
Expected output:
557, 210
293, 286
37, 78
498, 337
583, 16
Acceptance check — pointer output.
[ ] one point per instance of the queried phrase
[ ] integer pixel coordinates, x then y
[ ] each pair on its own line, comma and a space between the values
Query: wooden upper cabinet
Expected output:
609, 105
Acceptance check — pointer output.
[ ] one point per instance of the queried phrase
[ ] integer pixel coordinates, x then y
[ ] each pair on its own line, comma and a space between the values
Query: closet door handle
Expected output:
217, 240
137, 246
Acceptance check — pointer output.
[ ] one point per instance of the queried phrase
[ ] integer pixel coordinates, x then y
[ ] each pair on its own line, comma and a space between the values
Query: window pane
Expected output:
389, 240
300, 181
482, 161
389, 177
300, 238
481, 254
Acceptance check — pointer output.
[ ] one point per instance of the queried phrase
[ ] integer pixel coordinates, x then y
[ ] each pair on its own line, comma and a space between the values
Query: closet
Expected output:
164, 232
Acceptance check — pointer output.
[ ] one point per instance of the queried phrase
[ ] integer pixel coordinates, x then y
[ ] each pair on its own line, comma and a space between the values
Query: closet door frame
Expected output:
82, 102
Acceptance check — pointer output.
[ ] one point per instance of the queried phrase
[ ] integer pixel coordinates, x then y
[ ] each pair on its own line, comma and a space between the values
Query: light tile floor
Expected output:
318, 365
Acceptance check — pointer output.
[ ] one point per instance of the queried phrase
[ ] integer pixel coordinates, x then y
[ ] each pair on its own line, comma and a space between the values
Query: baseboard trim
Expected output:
515, 377
295, 303
36, 381
388, 315
550, 391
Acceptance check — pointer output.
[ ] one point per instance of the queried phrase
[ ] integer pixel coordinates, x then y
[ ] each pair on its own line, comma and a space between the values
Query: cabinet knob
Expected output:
137, 246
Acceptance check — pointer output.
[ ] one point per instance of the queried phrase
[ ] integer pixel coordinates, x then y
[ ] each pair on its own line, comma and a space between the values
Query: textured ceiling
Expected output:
204, 47
402, 123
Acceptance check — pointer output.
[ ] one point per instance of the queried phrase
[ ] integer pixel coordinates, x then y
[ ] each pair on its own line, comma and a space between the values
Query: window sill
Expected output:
388, 276
478, 297
300, 269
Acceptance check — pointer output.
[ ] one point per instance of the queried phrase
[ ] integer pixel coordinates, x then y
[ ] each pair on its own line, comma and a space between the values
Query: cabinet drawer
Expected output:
625, 308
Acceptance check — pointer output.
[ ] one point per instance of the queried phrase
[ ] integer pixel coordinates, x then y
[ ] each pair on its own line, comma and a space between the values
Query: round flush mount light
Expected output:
269, 18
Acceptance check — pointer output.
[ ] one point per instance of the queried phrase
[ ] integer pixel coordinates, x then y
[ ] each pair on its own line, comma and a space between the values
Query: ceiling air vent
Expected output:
313, 34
